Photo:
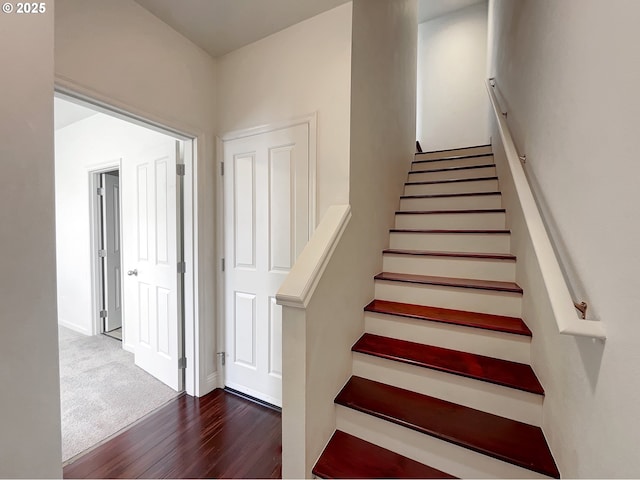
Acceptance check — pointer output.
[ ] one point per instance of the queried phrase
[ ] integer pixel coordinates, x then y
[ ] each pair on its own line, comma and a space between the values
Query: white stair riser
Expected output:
477, 268
458, 162
496, 399
452, 187
452, 242
452, 174
506, 346
451, 203
448, 221
454, 153
453, 459
467, 299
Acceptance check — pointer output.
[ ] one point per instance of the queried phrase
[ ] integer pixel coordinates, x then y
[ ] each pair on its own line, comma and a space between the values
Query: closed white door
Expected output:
111, 242
266, 198
151, 260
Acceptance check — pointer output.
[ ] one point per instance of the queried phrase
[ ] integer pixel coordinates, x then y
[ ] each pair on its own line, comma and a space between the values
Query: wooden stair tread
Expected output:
502, 438
457, 148
450, 282
450, 157
485, 321
446, 212
479, 367
448, 195
346, 456
455, 180
453, 169
429, 253
419, 230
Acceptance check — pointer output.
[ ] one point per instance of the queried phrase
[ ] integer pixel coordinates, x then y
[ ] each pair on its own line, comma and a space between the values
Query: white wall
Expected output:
303, 69
383, 76
79, 148
569, 73
119, 53
30, 399
453, 110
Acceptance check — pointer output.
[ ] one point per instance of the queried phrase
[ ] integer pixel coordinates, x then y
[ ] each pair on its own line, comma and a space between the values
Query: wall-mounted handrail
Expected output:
560, 298
300, 283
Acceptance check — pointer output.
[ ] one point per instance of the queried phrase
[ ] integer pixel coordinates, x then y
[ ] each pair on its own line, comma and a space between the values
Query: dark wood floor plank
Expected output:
347, 456
217, 436
502, 438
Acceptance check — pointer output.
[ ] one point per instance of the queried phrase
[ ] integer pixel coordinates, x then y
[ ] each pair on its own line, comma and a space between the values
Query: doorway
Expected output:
110, 254
123, 264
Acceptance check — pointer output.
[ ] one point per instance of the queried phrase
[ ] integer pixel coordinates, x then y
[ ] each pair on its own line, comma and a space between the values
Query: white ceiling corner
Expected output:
430, 9
66, 113
221, 26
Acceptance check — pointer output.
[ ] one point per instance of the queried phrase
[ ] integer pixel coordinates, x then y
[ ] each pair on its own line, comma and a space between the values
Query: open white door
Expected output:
266, 197
149, 192
111, 243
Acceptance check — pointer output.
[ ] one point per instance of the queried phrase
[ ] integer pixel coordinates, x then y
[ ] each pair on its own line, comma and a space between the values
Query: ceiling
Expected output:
221, 26
66, 113
429, 9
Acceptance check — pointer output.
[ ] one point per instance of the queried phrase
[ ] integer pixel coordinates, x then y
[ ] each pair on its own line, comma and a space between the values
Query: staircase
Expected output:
441, 384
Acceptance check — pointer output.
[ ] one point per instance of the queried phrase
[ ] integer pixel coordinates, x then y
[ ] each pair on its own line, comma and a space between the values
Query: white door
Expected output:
266, 198
149, 212
111, 243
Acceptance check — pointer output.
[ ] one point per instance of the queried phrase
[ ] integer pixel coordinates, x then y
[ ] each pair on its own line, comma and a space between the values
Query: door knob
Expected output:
132, 272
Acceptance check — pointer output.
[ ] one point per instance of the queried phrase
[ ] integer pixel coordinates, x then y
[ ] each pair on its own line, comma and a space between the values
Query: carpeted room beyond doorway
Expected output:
101, 390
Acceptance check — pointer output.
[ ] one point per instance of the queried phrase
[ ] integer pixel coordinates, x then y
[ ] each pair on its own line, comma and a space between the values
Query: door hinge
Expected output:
100, 191
102, 253
182, 267
223, 357
222, 168
182, 362
103, 314
180, 169
223, 264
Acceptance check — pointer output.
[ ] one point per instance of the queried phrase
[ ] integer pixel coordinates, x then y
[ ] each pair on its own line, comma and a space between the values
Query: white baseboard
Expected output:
210, 383
75, 328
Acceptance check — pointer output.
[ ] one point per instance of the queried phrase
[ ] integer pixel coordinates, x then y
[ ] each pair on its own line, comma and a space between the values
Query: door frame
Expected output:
94, 173
193, 338
311, 120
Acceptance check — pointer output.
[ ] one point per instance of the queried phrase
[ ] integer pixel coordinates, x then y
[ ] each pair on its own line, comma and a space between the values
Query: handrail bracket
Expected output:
582, 308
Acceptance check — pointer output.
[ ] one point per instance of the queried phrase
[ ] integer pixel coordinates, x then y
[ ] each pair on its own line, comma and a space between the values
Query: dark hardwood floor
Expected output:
217, 436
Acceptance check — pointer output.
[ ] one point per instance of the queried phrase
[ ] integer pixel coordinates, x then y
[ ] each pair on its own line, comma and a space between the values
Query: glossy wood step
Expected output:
495, 297
459, 240
452, 173
459, 161
455, 201
498, 437
465, 185
490, 218
476, 265
346, 456
420, 157
456, 152
429, 253
510, 287
479, 367
451, 201
497, 323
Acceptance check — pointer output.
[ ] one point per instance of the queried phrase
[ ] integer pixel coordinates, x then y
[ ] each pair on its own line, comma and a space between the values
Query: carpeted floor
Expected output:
101, 390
